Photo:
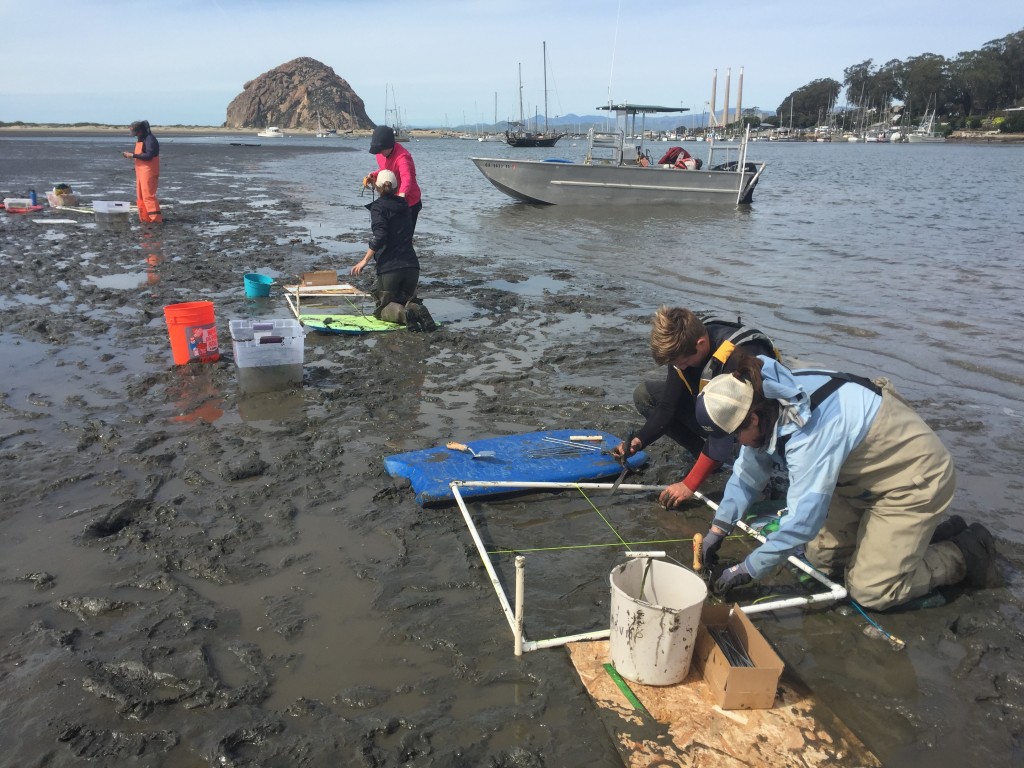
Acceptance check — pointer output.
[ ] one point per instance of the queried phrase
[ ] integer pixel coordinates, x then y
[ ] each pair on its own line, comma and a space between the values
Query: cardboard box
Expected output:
736, 687
323, 277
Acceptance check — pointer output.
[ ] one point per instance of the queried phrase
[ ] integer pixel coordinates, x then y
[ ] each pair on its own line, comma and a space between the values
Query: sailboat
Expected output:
925, 132
521, 136
396, 121
492, 136
321, 132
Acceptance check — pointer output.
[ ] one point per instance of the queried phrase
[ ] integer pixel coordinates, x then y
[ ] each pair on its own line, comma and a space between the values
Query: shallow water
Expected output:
306, 611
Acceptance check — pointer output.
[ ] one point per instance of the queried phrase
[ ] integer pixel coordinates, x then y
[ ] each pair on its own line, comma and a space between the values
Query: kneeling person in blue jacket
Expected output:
869, 483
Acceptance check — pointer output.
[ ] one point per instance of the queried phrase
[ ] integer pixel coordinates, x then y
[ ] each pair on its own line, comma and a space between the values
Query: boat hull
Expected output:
560, 183
532, 141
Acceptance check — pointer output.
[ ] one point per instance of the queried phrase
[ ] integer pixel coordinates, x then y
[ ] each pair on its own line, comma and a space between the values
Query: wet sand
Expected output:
194, 576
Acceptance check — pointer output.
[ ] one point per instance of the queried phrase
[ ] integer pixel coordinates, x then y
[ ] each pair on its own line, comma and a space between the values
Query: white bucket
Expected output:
655, 611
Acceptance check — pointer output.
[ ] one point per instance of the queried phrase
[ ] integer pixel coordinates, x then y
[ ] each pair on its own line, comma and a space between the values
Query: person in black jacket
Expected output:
694, 351
398, 268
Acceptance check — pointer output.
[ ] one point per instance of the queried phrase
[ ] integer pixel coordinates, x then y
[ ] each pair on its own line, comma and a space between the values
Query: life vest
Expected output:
678, 157
740, 334
673, 154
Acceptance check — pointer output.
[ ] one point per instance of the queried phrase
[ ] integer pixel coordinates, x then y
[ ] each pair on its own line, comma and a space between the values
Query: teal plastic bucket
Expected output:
257, 285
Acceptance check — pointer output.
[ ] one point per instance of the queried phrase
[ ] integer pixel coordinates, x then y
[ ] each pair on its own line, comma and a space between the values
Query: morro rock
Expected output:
302, 94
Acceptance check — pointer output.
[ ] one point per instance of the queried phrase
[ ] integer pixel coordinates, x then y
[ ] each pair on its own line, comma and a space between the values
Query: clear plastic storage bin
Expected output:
268, 353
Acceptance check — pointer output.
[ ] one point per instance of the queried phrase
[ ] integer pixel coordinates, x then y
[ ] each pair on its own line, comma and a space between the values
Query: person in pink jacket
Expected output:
397, 159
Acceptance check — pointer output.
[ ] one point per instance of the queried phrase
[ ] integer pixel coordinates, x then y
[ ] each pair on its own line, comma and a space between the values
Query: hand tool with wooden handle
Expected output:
453, 446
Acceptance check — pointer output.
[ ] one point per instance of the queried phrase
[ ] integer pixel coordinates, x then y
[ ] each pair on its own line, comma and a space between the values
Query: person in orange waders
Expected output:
147, 171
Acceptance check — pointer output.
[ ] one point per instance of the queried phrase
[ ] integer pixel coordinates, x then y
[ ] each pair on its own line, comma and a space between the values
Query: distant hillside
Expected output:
302, 94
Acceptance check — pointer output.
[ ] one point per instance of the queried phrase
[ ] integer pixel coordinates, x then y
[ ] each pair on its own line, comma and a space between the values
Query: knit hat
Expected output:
383, 138
723, 405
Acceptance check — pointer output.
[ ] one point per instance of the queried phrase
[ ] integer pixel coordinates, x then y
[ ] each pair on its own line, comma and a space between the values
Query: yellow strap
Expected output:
724, 351
680, 375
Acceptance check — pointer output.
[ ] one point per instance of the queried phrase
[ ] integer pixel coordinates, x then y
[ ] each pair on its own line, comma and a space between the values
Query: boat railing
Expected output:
734, 159
609, 143
722, 155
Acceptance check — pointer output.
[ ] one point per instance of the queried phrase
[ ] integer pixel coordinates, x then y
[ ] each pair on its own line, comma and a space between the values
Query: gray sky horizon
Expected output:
456, 62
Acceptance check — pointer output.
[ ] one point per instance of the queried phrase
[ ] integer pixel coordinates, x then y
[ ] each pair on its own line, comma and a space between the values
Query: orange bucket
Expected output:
193, 332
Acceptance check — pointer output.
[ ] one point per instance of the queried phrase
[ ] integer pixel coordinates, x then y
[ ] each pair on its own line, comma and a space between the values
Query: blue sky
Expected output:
113, 61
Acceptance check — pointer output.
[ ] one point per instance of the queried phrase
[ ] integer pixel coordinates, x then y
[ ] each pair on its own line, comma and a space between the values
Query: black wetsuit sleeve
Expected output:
662, 415
150, 148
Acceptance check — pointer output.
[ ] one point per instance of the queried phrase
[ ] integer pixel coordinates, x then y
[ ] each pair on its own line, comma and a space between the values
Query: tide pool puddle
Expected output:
124, 281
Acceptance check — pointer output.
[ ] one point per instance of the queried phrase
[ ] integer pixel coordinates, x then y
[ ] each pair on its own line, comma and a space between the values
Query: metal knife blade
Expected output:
618, 480
625, 461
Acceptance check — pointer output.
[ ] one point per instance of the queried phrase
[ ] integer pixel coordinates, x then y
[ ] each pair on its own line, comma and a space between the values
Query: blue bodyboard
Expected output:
527, 457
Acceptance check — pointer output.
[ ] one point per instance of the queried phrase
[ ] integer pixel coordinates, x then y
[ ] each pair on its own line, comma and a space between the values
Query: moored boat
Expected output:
629, 177
271, 132
522, 138
519, 134
925, 133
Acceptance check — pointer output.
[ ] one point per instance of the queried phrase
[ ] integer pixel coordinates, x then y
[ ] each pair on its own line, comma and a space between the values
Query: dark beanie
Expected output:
383, 138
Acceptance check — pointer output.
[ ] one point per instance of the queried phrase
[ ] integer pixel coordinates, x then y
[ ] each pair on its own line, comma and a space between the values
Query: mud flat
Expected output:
191, 576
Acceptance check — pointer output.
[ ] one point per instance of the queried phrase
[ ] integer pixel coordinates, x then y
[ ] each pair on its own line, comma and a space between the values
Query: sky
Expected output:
447, 63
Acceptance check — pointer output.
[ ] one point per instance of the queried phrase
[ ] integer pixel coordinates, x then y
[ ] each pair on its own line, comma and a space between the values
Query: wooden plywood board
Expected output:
339, 289
686, 729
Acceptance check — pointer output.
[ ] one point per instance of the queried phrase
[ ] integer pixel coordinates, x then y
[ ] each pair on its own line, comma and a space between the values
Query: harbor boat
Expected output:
519, 137
519, 134
630, 176
925, 132
321, 132
394, 116
271, 132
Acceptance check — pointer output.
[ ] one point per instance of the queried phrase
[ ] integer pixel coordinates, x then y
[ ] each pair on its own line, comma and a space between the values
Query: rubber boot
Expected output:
948, 528
383, 298
979, 551
394, 313
418, 317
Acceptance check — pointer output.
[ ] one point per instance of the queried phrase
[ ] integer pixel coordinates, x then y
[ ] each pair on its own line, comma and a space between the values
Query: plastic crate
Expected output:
111, 206
268, 353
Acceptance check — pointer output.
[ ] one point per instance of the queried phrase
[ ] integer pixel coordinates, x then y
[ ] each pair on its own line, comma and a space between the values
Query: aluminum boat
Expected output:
628, 176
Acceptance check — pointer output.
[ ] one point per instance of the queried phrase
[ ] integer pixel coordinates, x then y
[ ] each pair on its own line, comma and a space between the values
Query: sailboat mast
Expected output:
545, 44
520, 92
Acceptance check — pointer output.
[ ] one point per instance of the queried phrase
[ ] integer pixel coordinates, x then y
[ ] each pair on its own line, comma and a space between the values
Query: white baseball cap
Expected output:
386, 177
723, 405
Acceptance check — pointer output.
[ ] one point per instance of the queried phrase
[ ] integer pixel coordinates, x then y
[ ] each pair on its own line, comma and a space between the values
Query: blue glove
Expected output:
733, 577
709, 548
